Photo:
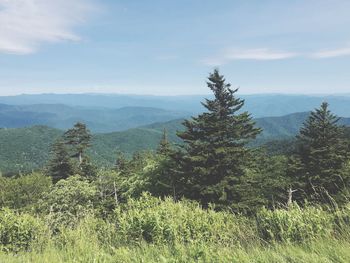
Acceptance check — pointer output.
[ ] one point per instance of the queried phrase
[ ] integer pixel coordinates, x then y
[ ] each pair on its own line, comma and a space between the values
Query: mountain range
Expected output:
29, 124
263, 105
25, 149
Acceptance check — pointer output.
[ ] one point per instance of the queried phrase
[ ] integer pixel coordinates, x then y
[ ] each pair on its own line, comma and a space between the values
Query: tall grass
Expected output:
317, 252
154, 230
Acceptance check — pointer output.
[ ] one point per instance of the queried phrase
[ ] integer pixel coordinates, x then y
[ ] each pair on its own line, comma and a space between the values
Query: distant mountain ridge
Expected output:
260, 105
99, 119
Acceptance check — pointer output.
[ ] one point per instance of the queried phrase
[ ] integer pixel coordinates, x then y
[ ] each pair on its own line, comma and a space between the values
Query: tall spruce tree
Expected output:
214, 152
322, 151
60, 165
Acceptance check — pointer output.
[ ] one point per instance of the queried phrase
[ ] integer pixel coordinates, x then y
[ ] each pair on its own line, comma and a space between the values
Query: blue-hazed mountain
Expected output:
98, 119
259, 105
25, 149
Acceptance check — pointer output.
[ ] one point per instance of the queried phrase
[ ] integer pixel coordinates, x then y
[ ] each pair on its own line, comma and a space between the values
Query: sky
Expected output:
167, 47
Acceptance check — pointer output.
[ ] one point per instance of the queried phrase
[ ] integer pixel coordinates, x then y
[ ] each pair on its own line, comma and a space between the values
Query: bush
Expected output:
295, 224
19, 231
24, 192
157, 221
68, 201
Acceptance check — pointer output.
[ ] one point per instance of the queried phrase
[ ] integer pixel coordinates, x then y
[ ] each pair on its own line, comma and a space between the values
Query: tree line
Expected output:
214, 164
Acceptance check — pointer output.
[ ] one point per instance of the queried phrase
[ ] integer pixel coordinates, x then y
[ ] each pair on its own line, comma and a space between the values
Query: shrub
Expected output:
157, 221
19, 231
68, 201
23, 192
295, 224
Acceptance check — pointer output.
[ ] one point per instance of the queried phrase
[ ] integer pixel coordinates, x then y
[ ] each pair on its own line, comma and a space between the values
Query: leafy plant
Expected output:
295, 224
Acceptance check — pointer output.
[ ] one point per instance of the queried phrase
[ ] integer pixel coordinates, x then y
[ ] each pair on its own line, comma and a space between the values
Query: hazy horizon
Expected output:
177, 95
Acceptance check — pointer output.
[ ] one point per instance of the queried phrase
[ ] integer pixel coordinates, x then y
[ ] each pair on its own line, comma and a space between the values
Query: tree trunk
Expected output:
115, 194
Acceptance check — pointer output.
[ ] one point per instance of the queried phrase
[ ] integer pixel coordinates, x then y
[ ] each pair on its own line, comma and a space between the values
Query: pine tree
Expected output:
78, 138
78, 141
322, 152
214, 152
60, 165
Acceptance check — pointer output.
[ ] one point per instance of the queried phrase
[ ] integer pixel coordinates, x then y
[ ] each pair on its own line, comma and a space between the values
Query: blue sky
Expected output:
168, 47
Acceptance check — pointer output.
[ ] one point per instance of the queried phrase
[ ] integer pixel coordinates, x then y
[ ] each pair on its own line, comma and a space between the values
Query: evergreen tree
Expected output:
164, 146
163, 179
214, 152
322, 151
78, 138
60, 165
121, 162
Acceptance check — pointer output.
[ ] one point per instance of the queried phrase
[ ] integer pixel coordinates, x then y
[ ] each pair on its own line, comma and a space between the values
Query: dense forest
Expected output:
206, 194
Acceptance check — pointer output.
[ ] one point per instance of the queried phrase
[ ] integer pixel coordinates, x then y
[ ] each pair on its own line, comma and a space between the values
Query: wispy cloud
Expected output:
248, 54
26, 24
331, 53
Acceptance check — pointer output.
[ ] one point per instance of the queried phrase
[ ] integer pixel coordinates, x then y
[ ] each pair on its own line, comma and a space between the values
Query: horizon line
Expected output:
174, 95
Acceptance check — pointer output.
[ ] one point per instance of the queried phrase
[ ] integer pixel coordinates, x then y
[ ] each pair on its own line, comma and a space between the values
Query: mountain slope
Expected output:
25, 149
98, 119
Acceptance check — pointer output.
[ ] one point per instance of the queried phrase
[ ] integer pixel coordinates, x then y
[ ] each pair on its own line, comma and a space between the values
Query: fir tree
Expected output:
214, 152
60, 165
322, 151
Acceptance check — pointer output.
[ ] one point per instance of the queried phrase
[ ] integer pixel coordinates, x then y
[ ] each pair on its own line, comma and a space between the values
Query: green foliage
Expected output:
78, 140
60, 165
134, 178
322, 251
23, 192
264, 184
322, 153
89, 231
68, 201
156, 221
108, 189
20, 231
26, 149
214, 152
295, 224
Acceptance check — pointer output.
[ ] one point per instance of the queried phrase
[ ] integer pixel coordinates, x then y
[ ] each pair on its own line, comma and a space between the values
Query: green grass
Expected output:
96, 240
85, 251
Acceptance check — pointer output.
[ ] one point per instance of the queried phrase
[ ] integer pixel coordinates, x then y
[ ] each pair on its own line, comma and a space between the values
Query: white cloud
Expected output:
248, 54
26, 24
331, 53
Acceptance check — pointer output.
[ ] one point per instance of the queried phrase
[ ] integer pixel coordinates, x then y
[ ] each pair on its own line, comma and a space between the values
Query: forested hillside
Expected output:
27, 149
98, 119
